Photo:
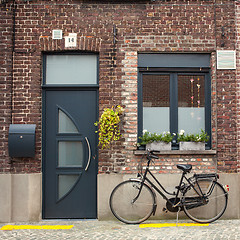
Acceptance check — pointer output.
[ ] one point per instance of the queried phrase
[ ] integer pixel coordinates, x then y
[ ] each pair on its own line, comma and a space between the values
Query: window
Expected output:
174, 101
71, 69
174, 93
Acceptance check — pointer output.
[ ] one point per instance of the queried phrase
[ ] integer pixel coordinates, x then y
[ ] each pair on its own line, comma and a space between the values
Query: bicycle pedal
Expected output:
164, 210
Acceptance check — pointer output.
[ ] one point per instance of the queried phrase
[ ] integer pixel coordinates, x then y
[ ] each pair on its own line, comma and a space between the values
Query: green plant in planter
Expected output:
199, 137
108, 126
148, 137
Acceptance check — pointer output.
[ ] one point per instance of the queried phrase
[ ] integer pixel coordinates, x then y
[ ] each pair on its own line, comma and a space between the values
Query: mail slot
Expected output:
21, 140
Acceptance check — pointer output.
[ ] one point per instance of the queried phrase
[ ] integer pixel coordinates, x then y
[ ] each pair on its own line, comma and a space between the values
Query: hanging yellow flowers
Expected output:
108, 126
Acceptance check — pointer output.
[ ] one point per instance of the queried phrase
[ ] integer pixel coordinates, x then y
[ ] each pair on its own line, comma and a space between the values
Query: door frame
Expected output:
64, 87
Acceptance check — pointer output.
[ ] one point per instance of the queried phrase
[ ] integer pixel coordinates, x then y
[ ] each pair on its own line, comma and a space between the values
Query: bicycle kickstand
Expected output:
177, 216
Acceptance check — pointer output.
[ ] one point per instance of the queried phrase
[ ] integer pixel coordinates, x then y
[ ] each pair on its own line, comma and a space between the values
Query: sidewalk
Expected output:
94, 229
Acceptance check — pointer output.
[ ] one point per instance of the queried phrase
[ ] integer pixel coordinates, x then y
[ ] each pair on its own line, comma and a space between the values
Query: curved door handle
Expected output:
89, 154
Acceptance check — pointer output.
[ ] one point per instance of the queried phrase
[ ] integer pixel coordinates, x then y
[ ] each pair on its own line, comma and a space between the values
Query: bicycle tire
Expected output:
124, 209
212, 209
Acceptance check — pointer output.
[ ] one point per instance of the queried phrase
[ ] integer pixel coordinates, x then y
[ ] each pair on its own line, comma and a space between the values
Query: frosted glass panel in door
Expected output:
66, 183
65, 124
71, 69
70, 154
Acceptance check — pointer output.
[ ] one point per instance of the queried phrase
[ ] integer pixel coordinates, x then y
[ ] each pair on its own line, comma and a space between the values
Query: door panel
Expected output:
70, 163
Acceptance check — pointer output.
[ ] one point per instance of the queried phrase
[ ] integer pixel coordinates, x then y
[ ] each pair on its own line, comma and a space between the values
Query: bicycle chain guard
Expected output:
170, 207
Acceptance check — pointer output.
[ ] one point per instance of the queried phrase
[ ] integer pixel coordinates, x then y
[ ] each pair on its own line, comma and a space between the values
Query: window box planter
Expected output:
159, 146
192, 146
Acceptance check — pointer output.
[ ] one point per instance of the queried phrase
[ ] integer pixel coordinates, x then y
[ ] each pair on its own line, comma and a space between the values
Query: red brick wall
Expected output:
167, 163
160, 26
5, 82
238, 82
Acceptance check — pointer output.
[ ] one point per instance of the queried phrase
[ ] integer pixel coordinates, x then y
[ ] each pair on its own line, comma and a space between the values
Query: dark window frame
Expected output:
173, 91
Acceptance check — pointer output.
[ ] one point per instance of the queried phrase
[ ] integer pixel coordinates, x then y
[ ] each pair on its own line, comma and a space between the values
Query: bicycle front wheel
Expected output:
209, 209
131, 206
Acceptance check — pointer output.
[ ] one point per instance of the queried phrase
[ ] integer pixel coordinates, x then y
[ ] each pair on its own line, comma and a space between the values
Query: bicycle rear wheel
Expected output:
127, 206
209, 209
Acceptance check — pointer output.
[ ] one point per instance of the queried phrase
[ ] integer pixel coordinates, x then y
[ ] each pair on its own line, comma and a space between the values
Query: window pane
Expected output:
65, 184
71, 69
156, 103
191, 103
65, 124
70, 154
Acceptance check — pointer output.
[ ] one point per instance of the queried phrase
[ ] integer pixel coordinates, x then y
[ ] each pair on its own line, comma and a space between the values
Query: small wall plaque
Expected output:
226, 59
71, 40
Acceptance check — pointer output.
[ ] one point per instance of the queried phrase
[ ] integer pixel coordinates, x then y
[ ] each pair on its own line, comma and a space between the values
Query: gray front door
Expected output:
70, 164
70, 83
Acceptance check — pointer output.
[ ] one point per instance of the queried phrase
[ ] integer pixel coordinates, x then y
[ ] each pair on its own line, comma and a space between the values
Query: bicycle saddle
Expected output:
184, 167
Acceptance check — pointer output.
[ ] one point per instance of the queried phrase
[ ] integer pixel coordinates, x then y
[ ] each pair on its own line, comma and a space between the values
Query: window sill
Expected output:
180, 152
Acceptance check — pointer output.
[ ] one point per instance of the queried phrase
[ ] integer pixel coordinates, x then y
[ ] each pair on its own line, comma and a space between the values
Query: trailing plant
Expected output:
148, 137
108, 126
199, 137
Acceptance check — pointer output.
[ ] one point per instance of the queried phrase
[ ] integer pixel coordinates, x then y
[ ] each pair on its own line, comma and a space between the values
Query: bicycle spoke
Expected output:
142, 203
214, 197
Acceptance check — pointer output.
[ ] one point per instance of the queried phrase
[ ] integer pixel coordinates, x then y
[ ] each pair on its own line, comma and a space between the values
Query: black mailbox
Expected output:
21, 140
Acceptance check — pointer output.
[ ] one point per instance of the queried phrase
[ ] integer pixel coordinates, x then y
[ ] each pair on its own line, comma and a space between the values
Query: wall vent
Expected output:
57, 34
226, 59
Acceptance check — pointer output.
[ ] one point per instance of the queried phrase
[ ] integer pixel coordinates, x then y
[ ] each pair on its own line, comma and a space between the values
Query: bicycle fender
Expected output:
154, 209
139, 180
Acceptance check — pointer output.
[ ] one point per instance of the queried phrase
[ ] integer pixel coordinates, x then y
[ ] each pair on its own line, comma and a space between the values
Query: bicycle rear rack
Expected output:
206, 175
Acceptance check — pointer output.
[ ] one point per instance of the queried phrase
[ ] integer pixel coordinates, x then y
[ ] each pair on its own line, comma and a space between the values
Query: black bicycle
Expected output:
201, 197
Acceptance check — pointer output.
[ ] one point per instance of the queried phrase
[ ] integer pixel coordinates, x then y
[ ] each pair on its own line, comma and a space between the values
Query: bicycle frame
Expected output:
176, 202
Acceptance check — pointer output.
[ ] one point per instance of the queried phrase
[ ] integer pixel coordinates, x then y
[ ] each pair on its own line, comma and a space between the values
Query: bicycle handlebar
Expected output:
151, 153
